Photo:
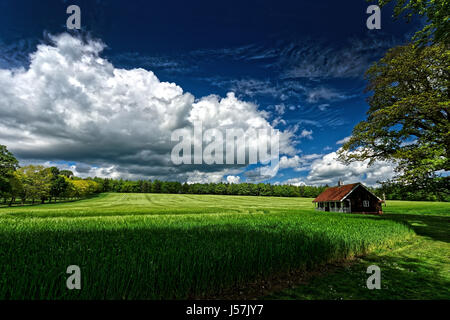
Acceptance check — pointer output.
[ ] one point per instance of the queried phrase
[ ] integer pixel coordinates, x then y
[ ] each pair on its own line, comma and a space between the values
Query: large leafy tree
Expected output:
436, 13
16, 188
36, 181
8, 164
58, 184
408, 119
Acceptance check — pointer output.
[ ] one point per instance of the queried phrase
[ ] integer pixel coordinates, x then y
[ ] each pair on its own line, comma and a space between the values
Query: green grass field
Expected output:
417, 268
161, 246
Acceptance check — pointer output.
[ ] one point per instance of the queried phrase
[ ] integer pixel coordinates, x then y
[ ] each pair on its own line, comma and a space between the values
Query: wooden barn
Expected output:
354, 198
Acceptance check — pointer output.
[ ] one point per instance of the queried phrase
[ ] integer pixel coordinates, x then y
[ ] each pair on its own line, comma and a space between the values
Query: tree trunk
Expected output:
11, 202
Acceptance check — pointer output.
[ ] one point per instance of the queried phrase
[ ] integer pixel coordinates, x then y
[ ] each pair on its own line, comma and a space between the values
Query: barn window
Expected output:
366, 203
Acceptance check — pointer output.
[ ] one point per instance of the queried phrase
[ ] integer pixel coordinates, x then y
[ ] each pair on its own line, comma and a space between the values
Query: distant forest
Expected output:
390, 191
38, 183
33, 183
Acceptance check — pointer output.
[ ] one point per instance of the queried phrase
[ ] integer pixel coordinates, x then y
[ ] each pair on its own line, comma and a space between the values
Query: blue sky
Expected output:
300, 62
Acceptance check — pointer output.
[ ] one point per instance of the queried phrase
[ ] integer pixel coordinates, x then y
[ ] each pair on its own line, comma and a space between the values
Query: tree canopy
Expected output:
8, 164
408, 119
436, 12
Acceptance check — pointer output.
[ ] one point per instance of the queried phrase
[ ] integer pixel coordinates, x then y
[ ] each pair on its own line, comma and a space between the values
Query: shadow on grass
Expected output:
435, 227
402, 277
413, 271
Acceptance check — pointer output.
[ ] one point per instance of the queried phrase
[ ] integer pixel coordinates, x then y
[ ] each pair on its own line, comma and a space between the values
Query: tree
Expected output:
146, 186
83, 188
232, 188
220, 189
16, 188
243, 189
265, 189
66, 173
36, 181
408, 119
128, 187
57, 183
70, 189
8, 164
58, 186
436, 12
156, 186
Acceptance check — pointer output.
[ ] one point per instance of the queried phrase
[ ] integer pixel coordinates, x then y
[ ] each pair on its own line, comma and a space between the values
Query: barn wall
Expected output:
358, 196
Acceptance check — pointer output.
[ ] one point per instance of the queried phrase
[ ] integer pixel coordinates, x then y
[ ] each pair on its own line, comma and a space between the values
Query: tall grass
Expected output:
132, 247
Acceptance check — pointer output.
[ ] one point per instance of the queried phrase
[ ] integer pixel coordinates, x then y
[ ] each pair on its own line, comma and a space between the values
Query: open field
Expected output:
154, 246
418, 268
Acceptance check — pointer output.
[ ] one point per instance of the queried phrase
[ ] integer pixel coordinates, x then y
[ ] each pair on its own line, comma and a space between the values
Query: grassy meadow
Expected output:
166, 246
417, 268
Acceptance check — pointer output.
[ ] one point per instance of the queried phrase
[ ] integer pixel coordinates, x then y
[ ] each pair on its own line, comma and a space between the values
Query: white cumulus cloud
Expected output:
70, 104
328, 170
233, 179
342, 141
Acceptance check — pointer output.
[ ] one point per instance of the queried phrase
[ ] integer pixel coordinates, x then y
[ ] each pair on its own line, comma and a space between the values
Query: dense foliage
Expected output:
46, 183
396, 191
8, 164
159, 246
408, 119
436, 13
243, 189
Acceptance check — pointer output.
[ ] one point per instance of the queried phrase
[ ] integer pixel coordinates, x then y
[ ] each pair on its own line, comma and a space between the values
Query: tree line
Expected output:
392, 190
388, 190
243, 189
36, 183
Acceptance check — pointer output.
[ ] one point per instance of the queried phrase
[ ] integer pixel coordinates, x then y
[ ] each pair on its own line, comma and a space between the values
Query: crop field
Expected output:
161, 246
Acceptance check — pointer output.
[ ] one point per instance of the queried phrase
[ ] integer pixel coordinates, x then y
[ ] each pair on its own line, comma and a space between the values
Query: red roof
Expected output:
335, 193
